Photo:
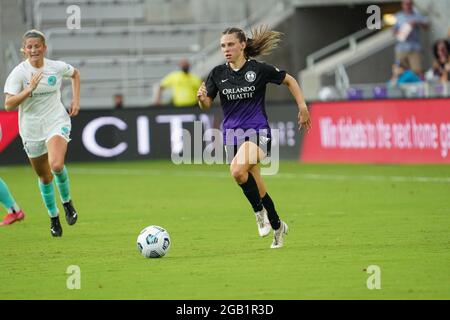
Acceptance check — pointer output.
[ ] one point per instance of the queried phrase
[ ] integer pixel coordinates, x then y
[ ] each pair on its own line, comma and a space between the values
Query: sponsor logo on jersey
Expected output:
239, 93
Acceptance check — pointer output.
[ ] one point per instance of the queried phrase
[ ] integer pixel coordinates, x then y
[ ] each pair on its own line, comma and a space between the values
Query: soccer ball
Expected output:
153, 242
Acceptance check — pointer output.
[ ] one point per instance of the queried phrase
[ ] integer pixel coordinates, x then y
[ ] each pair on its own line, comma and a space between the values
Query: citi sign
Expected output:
143, 133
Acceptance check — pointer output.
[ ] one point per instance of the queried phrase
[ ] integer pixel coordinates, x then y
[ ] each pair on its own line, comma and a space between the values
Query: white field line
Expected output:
225, 174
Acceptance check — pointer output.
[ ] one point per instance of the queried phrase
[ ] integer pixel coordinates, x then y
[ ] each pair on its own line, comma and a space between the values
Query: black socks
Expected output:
271, 212
251, 191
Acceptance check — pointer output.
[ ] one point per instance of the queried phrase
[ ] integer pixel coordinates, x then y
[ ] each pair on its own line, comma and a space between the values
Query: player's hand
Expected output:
202, 93
304, 120
35, 79
74, 108
447, 67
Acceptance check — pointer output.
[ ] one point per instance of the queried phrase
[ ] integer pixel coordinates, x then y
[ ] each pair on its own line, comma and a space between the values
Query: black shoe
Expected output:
71, 214
55, 227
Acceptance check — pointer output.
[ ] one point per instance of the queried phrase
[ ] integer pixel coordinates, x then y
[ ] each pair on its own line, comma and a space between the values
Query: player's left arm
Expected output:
304, 120
75, 104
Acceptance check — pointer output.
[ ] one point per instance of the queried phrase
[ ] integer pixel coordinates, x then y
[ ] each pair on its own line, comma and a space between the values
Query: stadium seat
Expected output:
354, 94
380, 92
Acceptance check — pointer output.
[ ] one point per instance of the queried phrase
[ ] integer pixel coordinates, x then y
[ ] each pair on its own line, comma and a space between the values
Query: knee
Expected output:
56, 166
238, 173
46, 178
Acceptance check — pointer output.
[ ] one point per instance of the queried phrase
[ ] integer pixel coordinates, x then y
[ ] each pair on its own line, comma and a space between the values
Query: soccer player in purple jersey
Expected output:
241, 83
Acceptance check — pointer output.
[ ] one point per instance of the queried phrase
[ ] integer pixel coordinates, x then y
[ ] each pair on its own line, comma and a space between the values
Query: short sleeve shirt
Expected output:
43, 107
242, 94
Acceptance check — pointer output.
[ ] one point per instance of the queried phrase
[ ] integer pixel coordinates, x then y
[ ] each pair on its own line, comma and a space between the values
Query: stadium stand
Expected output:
53, 13
120, 50
125, 47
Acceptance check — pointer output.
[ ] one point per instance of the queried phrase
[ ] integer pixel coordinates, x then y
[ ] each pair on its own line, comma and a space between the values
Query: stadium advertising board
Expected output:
137, 134
379, 131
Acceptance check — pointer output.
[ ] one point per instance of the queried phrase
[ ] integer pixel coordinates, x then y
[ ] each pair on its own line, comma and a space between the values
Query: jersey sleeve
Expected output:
66, 69
13, 84
211, 87
272, 74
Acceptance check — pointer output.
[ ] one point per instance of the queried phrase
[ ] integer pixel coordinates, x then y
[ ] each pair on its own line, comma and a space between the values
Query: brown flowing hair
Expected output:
262, 42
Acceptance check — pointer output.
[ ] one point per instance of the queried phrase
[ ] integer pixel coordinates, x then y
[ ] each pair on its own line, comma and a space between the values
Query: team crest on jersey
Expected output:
250, 76
51, 80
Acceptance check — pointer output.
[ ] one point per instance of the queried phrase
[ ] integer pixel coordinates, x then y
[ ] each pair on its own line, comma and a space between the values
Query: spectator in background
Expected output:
441, 64
184, 86
402, 74
118, 101
407, 31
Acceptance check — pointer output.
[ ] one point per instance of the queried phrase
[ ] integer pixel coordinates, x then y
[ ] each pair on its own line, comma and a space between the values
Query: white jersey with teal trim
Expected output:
43, 107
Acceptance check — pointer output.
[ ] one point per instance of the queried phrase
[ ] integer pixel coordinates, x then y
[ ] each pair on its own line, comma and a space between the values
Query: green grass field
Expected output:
342, 219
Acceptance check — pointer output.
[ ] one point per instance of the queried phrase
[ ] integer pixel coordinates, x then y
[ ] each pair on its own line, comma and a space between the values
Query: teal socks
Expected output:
48, 195
6, 197
62, 181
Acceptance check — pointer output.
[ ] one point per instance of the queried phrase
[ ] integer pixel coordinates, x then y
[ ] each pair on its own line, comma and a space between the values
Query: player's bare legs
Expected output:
57, 148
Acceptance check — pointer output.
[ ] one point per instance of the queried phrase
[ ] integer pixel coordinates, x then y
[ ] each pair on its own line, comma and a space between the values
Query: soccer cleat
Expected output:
278, 235
71, 214
10, 218
263, 223
55, 227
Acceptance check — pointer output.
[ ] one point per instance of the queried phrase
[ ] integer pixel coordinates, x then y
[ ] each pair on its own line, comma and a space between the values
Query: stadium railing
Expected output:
385, 91
133, 40
96, 69
48, 13
99, 95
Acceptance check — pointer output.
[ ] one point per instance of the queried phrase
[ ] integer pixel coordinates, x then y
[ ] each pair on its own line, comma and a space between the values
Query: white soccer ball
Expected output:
153, 242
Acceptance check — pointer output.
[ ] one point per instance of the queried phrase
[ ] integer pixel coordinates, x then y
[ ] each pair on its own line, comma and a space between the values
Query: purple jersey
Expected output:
242, 96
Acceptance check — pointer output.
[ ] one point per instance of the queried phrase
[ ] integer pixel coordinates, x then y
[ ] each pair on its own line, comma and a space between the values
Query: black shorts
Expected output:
263, 141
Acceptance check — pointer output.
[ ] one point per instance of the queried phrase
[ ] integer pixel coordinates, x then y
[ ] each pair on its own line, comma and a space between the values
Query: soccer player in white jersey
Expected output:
34, 87
241, 84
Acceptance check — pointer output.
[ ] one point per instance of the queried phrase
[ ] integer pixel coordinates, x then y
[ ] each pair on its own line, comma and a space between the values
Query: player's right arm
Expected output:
204, 101
12, 101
